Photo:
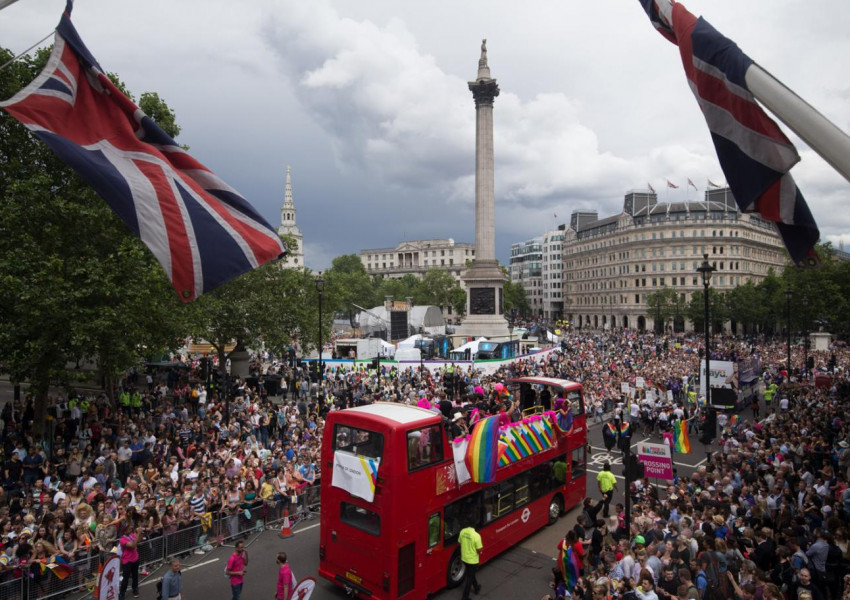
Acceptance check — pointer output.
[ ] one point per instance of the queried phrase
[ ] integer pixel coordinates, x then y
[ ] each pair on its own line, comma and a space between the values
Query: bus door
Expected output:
354, 545
433, 571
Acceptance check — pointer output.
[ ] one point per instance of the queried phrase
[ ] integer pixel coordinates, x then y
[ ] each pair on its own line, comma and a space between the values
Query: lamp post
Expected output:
788, 294
706, 270
320, 287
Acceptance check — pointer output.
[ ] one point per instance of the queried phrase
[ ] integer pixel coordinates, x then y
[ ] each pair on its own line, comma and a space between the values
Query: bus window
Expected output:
358, 441
433, 530
505, 502
459, 514
559, 470
360, 518
579, 462
521, 492
575, 402
424, 447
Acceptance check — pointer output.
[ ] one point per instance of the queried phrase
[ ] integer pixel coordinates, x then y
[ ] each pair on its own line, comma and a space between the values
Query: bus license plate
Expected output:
353, 577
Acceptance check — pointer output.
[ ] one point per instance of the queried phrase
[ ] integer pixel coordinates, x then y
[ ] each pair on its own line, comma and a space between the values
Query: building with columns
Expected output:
612, 264
288, 226
417, 256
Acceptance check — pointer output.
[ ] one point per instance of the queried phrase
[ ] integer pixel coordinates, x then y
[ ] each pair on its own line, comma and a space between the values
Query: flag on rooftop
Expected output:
670, 184
692, 184
754, 154
202, 231
712, 184
651, 189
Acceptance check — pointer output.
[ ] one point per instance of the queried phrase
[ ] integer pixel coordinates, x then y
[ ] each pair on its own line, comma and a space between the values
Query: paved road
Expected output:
521, 573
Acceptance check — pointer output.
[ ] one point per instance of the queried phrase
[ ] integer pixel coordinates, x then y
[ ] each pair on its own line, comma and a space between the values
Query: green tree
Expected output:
516, 297
662, 306
270, 305
438, 287
76, 286
350, 284
399, 288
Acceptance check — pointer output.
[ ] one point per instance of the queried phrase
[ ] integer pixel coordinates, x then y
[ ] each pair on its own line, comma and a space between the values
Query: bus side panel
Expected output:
507, 532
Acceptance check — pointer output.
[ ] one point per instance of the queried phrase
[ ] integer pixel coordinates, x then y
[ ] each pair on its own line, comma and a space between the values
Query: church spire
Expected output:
288, 225
287, 195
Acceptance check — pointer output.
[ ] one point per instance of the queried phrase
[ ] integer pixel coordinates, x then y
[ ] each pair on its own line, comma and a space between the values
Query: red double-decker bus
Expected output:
390, 529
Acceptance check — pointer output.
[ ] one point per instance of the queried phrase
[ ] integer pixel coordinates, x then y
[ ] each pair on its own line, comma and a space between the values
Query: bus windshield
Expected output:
358, 441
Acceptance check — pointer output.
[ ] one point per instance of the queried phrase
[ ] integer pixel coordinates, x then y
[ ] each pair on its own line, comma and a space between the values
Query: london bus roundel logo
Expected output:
526, 515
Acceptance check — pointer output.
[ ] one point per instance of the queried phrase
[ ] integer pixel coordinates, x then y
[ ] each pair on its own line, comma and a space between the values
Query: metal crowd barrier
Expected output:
37, 582
12, 589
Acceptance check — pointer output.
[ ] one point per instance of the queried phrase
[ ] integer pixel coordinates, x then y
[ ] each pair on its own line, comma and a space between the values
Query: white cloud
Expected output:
369, 103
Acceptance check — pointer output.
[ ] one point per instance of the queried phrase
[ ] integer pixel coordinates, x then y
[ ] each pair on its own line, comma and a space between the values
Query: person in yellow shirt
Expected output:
470, 552
607, 484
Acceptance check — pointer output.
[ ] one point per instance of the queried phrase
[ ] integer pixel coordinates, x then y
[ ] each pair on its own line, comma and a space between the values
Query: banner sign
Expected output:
459, 447
656, 460
304, 589
109, 580
355, 474
724, 374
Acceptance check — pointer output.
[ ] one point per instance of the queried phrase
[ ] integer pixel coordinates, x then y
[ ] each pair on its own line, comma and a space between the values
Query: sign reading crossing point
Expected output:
656, 459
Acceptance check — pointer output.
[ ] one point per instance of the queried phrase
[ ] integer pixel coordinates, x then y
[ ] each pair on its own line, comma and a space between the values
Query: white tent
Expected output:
387, 349
410, 342
471, 346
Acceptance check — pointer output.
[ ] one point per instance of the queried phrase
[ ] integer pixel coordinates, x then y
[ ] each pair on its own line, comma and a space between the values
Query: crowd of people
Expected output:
169, 454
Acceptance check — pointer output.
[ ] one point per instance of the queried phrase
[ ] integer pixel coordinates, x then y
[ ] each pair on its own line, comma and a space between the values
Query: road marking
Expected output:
309, 527
182, 569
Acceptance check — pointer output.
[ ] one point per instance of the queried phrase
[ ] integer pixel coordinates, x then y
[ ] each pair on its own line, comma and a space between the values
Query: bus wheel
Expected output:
456, 571
556, 507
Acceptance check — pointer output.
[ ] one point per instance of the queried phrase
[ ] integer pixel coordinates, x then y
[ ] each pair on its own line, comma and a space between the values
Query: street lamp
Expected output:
320, 287
788, 294
706, 270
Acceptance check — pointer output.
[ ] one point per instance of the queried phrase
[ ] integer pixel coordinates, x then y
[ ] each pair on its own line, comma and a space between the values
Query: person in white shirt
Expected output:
783, 404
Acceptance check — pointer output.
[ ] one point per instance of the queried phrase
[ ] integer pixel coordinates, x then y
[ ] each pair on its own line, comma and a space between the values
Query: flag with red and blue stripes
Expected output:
754, 154
202, 231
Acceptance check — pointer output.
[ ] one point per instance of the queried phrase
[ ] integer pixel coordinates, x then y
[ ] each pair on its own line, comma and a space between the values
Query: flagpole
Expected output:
822, 136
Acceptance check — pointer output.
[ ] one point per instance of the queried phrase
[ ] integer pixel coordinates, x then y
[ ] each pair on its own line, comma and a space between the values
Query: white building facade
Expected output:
611, 265
526, 269
417, 257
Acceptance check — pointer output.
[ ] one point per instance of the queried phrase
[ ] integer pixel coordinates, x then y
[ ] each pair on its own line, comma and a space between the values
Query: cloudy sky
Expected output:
368, 102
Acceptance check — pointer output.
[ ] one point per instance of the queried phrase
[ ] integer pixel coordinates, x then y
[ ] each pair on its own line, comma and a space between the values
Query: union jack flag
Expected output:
202, 231
670, 184
692, 184
754, 154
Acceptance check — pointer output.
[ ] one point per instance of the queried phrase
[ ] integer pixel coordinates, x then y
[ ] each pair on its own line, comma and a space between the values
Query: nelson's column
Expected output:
484, 280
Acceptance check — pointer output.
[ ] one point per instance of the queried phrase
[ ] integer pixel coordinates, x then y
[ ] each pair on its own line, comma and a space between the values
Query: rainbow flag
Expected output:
568, 563
735, 420
483, 452
625, 429
681, 443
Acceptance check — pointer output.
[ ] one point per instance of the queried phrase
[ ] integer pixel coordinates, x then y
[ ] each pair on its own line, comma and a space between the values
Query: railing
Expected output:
38, 581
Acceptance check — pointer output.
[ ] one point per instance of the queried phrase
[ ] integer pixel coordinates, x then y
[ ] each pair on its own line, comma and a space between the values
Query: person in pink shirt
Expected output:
236, 569
130, 562
285, 578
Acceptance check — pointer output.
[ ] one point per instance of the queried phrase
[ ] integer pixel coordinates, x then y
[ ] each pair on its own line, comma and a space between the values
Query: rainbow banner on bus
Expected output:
483, 452
532, 435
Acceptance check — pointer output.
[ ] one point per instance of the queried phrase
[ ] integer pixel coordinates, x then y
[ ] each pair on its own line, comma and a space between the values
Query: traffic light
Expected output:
633, 469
